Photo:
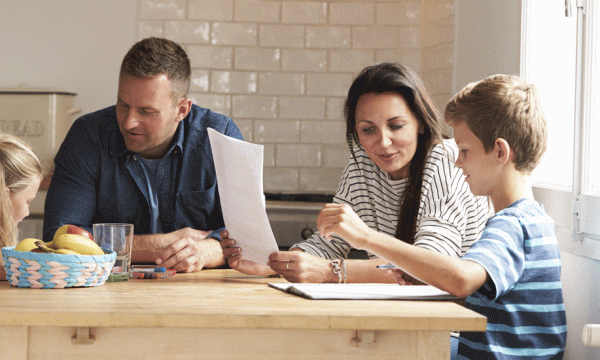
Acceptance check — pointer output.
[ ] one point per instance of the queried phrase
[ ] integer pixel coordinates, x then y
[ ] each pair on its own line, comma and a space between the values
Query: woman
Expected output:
400, 169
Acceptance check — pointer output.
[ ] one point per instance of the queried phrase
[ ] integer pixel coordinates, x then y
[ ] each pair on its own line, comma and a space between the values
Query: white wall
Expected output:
70, 45
580, 286
280, 68
487, 39
488, 42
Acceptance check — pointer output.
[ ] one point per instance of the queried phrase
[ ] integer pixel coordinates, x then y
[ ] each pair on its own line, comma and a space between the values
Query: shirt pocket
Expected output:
198, 207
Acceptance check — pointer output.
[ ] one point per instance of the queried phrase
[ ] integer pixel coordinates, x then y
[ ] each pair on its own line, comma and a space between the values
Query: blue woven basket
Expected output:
56, 271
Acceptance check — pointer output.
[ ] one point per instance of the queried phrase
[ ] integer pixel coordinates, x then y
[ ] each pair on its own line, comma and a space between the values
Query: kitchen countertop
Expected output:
219, 298
220, 314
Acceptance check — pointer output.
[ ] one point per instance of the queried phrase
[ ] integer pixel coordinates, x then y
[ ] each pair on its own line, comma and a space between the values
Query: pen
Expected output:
387, 266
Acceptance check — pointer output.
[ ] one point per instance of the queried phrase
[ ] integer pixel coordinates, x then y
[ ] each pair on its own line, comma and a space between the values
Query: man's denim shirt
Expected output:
96, 179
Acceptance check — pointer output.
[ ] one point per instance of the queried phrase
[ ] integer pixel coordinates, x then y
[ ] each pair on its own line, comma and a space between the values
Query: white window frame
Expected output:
587, 205
575, 213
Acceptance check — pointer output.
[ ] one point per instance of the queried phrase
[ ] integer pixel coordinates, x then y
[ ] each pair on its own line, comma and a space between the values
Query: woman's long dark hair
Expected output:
396, 78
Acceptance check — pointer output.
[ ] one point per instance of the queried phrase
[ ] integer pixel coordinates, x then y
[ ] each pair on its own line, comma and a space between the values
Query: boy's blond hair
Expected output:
507, 107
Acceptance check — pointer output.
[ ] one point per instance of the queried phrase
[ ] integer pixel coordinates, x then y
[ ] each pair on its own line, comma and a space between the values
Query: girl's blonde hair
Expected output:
19, 167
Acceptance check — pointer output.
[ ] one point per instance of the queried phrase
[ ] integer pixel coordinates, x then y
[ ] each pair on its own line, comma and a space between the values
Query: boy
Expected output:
512, 273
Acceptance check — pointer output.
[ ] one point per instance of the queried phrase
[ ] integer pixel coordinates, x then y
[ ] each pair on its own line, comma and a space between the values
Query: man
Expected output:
146, 161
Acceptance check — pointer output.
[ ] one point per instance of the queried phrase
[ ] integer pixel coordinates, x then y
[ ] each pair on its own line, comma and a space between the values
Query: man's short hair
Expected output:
152, 56
507, 107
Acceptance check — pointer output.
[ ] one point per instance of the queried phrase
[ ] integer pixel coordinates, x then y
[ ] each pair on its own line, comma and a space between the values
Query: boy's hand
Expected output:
401, 277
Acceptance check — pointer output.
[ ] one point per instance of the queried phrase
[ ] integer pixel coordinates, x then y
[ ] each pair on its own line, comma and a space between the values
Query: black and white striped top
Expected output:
450, 217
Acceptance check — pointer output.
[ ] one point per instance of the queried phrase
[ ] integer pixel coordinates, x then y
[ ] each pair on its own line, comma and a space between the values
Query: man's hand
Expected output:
184, 250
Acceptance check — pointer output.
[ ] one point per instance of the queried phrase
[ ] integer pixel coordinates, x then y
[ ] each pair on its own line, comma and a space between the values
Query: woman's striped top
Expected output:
450, 217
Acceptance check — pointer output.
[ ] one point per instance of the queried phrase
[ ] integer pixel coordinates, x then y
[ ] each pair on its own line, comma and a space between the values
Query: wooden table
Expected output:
219, 314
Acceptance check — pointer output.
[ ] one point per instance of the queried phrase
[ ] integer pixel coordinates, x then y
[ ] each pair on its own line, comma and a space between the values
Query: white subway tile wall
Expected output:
281, 69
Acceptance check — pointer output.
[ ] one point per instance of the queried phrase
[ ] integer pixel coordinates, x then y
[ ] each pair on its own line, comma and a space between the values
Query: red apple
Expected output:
72, 229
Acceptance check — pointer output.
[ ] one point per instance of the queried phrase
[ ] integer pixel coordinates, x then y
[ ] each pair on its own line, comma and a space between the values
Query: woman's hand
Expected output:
300, 267
343, 221
233, 255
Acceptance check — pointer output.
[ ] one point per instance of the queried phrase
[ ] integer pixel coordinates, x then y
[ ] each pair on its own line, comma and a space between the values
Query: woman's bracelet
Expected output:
336, 269
340, 272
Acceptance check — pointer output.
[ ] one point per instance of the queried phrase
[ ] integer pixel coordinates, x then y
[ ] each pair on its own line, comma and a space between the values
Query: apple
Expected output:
72, 229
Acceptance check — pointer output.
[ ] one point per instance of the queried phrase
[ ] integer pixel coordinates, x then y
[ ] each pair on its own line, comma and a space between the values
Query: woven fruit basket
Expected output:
56, 271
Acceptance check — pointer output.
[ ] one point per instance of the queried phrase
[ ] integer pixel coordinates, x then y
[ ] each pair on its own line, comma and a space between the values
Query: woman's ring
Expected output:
287, 265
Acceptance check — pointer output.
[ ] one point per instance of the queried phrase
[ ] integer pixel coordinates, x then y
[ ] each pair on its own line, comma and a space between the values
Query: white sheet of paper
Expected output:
239, 168
363, 291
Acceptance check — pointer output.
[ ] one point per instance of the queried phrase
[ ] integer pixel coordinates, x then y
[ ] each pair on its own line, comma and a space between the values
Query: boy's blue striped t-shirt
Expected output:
522, 299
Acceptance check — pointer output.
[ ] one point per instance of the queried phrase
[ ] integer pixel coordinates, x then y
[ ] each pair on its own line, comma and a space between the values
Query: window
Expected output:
553, 72
559, 55
590, 165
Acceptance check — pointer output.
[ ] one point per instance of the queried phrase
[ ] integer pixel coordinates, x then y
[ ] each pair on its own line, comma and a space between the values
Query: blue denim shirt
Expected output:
96, 179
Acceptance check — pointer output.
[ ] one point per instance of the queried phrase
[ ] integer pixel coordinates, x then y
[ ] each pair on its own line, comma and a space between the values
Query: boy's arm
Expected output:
458, 277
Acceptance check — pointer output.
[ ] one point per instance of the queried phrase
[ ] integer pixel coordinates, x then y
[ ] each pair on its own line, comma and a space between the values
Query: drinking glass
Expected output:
119, 238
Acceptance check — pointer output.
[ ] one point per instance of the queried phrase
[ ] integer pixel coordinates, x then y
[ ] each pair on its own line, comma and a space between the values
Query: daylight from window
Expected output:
549, 63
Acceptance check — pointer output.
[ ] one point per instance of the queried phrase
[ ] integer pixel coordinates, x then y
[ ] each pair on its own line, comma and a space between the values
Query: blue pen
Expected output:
387, 266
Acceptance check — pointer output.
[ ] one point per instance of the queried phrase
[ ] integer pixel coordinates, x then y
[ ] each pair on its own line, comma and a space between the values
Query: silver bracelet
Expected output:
344, 267
336, 269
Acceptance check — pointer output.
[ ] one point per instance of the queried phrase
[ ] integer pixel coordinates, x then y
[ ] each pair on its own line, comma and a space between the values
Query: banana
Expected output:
42, 246
77, 243
26, 244
66, 252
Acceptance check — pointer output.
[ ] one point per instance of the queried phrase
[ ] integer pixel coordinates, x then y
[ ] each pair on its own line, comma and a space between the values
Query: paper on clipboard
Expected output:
239, 168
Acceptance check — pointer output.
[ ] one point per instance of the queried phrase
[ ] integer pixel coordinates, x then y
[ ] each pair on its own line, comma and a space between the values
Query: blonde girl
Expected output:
20, 177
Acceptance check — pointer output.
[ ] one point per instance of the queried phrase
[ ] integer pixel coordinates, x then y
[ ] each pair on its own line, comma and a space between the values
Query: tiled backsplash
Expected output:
281, 69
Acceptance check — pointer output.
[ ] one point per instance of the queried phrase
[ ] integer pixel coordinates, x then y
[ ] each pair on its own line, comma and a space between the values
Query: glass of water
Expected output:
119, 238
